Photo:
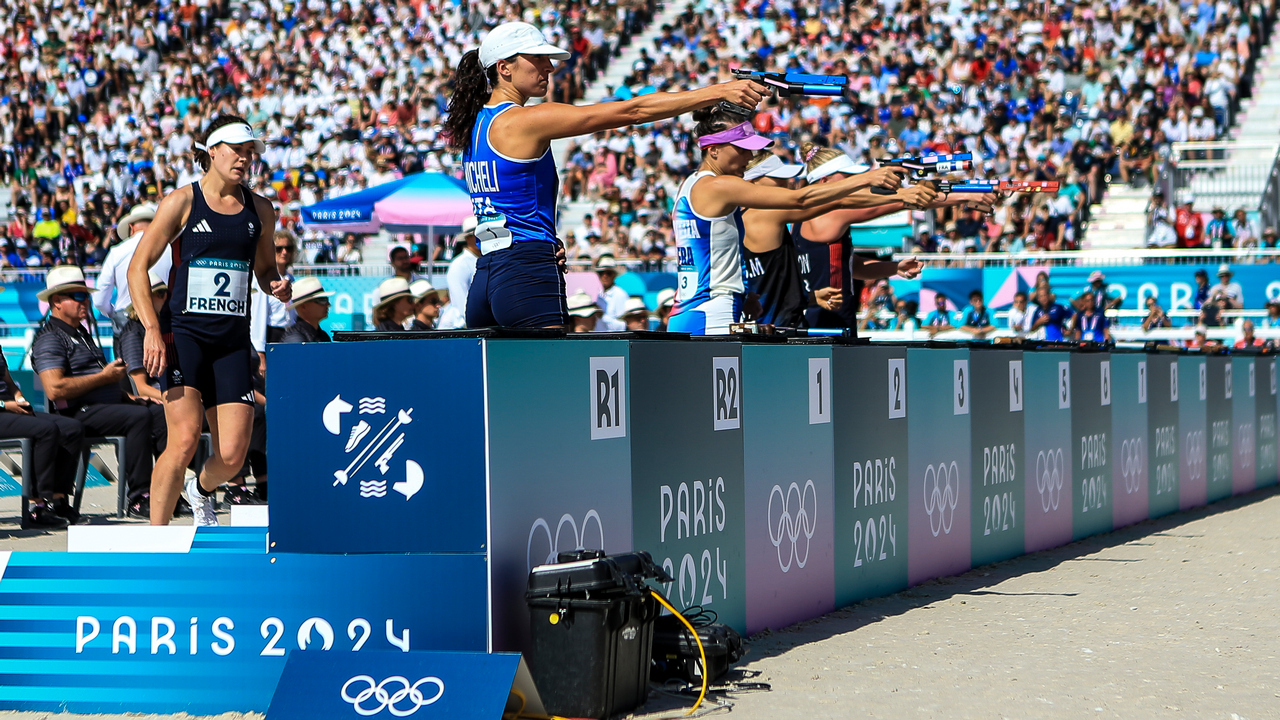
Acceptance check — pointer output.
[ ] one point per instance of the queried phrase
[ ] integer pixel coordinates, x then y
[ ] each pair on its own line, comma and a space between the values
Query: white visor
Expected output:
842, 164
233, 134
773, 167
517, 38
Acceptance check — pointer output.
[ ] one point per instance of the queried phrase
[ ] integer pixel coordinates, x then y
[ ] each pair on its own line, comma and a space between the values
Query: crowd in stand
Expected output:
100, 101
1085, 93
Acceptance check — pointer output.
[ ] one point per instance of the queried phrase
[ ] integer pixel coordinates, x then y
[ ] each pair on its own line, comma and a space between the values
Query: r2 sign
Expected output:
608, 397
726, 383
960, 387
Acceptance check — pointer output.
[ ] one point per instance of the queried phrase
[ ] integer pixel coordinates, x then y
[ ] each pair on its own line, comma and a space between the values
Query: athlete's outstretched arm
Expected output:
171, 215
537, 125
721, 194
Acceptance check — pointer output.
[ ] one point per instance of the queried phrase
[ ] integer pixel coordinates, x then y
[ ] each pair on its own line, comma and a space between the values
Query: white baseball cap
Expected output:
233, 134
516, 38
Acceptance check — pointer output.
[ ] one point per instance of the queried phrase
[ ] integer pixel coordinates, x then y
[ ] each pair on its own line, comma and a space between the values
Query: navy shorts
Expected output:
220, 373
518, 286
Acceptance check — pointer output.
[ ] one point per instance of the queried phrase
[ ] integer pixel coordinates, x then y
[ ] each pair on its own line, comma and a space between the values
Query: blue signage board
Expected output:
208, 633
384, 445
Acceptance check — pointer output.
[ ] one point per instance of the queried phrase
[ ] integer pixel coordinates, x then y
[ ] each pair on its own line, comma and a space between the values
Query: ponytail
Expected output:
471, 87
814, 155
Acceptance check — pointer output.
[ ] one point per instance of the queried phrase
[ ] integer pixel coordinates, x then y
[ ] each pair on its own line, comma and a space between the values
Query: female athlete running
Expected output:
219, 234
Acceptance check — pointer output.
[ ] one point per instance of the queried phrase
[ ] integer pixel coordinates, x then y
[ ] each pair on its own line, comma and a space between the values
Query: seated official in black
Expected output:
311, 303
81, 384
57, 443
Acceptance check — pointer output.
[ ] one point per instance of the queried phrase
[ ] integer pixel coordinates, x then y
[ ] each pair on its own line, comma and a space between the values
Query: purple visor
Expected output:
743, 136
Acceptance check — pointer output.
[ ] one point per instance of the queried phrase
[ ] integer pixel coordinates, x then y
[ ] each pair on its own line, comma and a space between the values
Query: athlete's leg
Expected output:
183, 414
230, 426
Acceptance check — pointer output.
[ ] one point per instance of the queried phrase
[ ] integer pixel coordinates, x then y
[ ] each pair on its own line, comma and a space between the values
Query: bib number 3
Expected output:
218, 287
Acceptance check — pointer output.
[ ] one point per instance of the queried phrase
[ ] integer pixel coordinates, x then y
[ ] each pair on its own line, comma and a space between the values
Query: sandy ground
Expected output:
1169, 618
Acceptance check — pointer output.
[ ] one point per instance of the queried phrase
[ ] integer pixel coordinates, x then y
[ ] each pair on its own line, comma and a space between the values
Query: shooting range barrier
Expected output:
419, 480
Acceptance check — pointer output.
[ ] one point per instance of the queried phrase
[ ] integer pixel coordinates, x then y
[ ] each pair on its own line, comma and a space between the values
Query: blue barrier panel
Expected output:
1193, 392
687, 470
1091, 390
384, 445
1130, 388
998, 446
1268, 451
207, 633
1218, 420
560, 462
422, 685
869, 424
940, 393
787, 439
1048, 456
1244, 427
1163, 435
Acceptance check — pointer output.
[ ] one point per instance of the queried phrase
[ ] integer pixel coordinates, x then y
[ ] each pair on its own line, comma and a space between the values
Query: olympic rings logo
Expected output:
579, 537
790, 526
1194, 454
391, 700
1051, 470
943, 497
1131, 462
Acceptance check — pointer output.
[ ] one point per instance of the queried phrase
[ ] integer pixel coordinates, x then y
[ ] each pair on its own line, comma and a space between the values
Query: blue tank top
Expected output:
519, 195
212, 268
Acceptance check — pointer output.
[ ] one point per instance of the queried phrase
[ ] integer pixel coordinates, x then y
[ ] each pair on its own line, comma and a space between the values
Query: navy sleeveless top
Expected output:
212, 267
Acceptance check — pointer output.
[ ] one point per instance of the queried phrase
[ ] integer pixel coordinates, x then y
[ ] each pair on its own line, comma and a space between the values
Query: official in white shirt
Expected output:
462, 270
613, 299
111, 296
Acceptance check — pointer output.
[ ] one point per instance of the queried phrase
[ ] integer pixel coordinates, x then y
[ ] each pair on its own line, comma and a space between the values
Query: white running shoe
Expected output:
201, 506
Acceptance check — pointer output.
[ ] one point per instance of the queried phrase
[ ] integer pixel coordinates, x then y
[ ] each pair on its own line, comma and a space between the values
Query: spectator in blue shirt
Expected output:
1049, 315
939, 320
912, 137
1202, 288
1090, 325
976, 320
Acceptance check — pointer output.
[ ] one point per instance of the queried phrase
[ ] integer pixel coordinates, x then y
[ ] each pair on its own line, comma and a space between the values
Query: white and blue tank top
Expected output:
709, 251
511, 198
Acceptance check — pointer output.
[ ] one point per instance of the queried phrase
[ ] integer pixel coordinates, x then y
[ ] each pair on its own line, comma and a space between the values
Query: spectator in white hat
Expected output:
393, 305
310, 303
584, 313
426, 305
1226, 293
461, 271
636, 314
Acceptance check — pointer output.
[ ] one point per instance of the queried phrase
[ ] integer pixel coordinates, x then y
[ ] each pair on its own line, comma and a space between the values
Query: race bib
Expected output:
686, 282
492, 227
218, 287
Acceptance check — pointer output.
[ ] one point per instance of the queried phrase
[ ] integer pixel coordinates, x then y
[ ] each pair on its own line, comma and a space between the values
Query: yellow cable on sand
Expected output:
701, 651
